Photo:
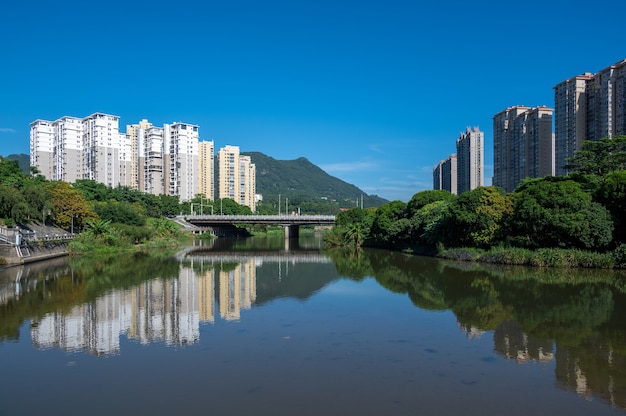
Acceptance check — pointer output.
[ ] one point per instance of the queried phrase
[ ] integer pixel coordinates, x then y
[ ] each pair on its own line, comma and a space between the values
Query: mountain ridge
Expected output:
301, 179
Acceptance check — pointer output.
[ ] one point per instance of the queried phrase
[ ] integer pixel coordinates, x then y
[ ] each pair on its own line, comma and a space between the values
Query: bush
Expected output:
619, 256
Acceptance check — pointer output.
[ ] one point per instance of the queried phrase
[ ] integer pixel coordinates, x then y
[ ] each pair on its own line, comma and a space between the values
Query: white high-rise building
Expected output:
42, 147
102, 144
68, 149
181, 166
470, 160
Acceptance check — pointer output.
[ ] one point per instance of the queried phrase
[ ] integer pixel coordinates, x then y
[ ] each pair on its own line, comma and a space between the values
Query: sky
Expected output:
373, 92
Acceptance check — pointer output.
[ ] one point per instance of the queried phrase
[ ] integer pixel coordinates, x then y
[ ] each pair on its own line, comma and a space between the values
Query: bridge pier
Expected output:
292, 231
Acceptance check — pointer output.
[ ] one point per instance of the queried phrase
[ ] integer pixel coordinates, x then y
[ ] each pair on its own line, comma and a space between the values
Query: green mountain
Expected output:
23, 161
305, 186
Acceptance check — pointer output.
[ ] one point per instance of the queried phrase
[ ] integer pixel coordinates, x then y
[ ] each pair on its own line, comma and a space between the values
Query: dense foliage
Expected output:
583, 211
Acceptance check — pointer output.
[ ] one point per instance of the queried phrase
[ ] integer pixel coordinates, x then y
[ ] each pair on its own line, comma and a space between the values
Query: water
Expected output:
248, 327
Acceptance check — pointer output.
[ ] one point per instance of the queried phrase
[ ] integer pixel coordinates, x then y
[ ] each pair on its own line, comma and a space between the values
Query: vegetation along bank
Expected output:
572, 221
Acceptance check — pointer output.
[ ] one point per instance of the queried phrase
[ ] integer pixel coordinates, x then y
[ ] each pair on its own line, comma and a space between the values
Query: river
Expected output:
258, 327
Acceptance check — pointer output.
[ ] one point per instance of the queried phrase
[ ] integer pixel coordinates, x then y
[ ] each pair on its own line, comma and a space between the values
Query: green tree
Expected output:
227, 206
390, 226
557, 212
421, 199
425, 220
599, 157
120, 212
476, 218
611, 193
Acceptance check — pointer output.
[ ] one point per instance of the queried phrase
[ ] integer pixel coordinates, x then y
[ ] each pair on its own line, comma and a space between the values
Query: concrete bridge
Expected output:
291, 223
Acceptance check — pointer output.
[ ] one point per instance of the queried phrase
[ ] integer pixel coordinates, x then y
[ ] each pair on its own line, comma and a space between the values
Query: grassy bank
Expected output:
544, 257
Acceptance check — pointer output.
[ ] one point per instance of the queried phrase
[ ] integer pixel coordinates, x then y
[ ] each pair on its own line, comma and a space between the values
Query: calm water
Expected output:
252, 328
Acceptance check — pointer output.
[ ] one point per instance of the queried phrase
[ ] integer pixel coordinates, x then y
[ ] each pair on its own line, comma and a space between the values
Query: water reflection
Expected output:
576, 318
89, 313
572, 320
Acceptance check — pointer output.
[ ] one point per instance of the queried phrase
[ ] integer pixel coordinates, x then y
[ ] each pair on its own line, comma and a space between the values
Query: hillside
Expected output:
302, 181
23, 161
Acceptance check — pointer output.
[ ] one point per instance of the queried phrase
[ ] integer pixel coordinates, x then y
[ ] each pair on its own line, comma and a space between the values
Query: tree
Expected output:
425, 220
557, 212
229, 207
421, 199
120, 212
599, 157
390, 226
69, 206
612, 194
476, 218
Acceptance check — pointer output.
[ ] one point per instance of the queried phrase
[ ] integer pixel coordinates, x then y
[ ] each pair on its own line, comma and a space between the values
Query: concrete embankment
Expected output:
37, 250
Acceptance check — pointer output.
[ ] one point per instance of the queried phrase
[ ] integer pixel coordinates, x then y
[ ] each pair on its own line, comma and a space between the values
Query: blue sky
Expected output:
373, 92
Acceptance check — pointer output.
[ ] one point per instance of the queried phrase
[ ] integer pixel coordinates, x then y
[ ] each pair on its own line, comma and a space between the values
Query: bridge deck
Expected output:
260, 219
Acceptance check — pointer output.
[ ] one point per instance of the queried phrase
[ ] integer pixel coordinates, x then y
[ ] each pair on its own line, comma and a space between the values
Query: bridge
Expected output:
291, 223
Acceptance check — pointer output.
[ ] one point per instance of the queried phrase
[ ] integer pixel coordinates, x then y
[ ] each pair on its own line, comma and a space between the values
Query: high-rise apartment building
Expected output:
42, 144
588, 107
71, 148
102, 149
132, 131
247, 176
539, 142
206, 169
68, 149
470, 160
181, 166
523, 145
503, 134
445, 175
168, 160
570, 115
237, 177
437, 176
149, 157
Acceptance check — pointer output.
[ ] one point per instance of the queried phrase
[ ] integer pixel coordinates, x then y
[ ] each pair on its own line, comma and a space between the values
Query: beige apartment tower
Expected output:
236, 177
206, 169
470, 160
445, 175
588, 107
523, 145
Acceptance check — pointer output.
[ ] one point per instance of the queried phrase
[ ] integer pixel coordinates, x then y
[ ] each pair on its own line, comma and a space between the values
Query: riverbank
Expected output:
37, 251
543, 257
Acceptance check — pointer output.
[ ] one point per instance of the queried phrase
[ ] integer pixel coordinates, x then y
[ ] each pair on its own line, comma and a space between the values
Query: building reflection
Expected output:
512, 342
159, 310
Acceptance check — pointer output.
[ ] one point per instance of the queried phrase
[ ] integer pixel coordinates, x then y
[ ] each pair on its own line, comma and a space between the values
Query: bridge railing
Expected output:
245, 218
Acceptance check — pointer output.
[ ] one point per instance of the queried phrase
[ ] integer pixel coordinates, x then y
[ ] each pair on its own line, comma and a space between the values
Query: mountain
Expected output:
301, 181
23, 161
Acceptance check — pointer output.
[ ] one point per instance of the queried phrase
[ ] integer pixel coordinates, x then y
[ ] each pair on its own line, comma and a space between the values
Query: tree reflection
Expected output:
575, 317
